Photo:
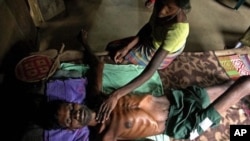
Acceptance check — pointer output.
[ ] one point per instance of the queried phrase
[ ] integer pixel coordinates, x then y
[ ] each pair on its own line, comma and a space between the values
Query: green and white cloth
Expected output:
115, 76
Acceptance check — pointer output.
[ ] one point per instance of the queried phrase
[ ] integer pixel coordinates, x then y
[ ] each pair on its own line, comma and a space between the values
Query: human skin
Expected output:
132, 114
138, 116
168, 9
146, 113
135, 116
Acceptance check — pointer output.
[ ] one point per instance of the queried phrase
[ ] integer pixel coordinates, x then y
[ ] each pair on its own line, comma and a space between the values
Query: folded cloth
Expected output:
81, 134
115, 76
72, 90
70, 70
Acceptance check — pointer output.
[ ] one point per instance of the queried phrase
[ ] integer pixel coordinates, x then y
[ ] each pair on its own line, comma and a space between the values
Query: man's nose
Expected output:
76, 114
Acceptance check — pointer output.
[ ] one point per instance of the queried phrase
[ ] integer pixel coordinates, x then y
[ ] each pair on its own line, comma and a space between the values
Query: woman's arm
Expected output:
144, 32
144, 76
108, 105
120, 54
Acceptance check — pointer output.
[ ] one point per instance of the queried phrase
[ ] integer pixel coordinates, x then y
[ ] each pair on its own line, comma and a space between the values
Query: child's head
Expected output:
170, 8
183, 4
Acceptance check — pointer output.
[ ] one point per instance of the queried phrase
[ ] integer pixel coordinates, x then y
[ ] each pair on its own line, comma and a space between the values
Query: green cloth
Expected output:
115, 76
82, 68
189, 115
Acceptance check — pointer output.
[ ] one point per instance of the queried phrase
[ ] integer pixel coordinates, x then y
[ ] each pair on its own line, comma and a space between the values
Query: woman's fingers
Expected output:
106, 109
108, 114
117, 57
102, 120
102, 113
99, 114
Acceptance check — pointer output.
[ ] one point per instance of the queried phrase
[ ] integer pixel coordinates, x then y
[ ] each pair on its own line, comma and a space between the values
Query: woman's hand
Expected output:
120, 54
106, 108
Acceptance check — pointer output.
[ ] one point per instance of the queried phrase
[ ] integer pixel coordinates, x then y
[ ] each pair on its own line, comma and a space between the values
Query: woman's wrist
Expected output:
133, 43
118, 93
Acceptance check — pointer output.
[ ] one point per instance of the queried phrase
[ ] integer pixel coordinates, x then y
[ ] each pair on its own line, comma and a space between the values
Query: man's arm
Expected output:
95, 71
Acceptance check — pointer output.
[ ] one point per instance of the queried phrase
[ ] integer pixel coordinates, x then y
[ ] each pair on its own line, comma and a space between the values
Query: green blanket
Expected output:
115, 76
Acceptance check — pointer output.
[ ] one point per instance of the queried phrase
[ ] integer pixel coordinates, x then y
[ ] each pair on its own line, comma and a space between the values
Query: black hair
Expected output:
184, 4
49, 117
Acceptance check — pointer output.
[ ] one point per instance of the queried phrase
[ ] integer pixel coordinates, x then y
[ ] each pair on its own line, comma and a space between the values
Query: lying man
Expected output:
181, 114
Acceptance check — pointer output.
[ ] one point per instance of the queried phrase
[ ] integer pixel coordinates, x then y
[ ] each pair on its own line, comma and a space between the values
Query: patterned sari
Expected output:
142, 53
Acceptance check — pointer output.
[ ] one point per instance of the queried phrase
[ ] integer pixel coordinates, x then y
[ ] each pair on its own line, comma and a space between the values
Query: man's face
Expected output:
73, 116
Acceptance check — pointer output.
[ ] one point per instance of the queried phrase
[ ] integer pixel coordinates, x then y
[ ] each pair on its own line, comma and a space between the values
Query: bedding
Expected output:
206, 69
66, 85
111, 73
72, 90
202, 69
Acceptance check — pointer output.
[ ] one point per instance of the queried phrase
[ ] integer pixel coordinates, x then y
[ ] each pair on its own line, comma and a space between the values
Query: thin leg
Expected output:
232, 95
96, 67
215, 91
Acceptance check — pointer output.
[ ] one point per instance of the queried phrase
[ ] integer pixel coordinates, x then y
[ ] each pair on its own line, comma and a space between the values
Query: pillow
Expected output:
72, 90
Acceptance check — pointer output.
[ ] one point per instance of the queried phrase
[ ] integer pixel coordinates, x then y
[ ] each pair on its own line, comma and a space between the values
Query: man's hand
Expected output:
106, 109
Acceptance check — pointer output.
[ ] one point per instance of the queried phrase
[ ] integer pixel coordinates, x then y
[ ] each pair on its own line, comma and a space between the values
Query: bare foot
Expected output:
84, 36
